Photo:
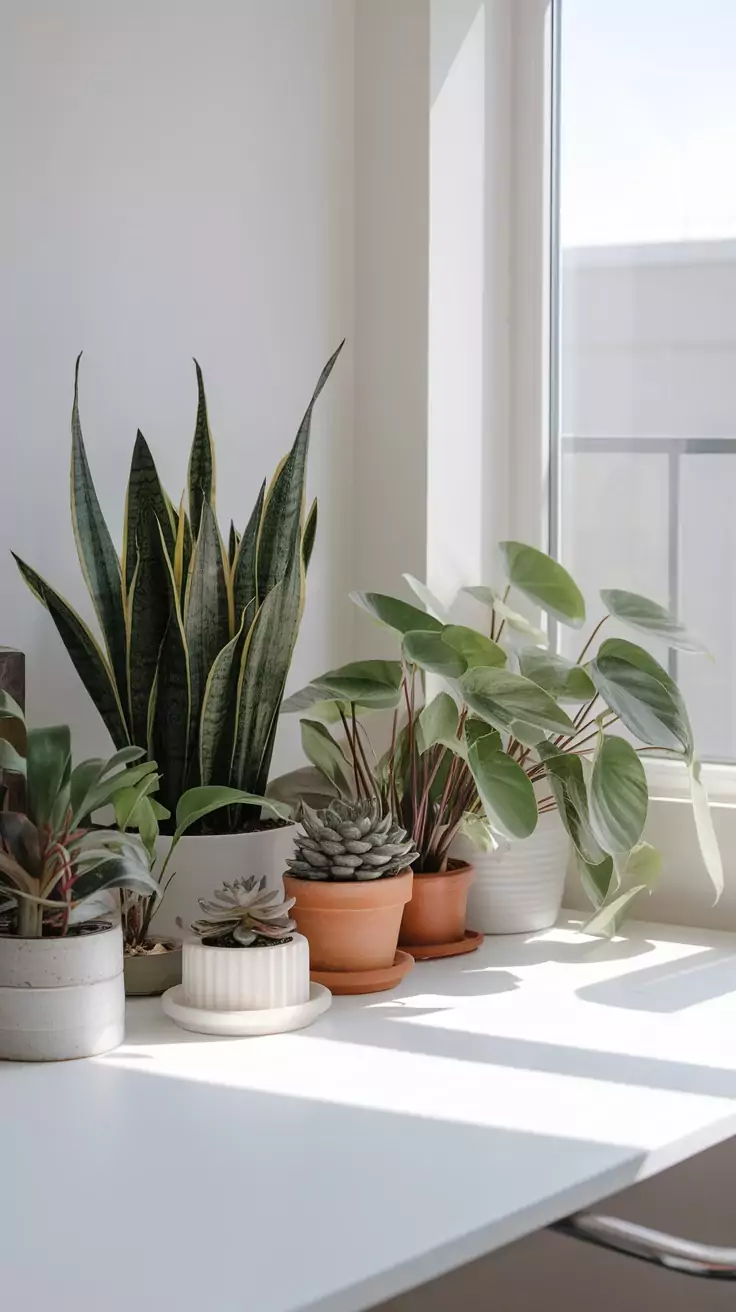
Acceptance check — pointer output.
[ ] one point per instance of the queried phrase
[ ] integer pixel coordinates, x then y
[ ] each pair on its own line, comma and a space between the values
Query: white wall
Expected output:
177, 181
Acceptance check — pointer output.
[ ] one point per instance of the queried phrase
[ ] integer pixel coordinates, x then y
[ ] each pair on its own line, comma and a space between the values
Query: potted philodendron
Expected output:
61, 966
153, 961
528, 777
247, 971
198, 638
350, 882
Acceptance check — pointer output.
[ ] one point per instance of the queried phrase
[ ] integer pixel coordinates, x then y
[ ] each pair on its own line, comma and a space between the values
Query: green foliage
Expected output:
53, 866
197, 637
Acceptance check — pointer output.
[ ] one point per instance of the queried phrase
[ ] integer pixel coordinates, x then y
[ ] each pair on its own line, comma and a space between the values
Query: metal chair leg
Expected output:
667, 1251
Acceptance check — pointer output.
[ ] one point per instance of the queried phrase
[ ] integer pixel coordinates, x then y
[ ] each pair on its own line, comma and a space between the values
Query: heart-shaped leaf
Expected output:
326, 755
619, 796
544, 581
557, 676
431, 653
648, 616
501, 697
504, 789
519, 624
367, 683
649, 703
473, 646
394, 613
437, 723
567, 783
432, 604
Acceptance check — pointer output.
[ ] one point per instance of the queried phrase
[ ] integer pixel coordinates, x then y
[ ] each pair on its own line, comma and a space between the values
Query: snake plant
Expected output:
198, 632
53, 865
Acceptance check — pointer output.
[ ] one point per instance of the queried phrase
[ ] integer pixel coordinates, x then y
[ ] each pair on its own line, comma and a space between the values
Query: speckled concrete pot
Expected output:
62, 997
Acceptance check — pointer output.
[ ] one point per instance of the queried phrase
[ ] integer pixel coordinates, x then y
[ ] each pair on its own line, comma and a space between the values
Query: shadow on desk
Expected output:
546, 1273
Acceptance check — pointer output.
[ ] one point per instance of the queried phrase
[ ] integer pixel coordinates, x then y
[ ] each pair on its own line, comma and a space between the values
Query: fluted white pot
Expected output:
518, 888
61, 997
246, 979
201, 864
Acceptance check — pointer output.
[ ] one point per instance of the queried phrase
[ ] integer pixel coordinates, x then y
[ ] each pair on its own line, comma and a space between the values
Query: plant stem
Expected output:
598, 626
369, 777
30, 919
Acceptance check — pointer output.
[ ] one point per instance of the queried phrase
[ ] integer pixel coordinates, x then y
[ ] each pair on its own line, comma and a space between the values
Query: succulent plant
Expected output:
351, 840
245, 912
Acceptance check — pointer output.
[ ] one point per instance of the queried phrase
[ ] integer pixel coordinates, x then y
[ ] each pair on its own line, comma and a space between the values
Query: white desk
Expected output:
402, 1135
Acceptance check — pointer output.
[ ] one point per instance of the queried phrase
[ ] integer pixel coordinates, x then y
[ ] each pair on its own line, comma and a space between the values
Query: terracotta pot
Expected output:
352, 925
148, 976
438, 907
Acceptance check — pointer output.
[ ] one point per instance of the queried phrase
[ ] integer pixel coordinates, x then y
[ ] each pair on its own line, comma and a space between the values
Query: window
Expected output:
644, 476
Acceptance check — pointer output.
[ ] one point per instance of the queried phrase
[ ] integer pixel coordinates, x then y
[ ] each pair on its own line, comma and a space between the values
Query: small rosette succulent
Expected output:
350, 840
245, 912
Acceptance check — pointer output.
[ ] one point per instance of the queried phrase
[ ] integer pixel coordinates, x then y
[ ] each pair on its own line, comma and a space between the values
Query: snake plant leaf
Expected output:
431, 604
366, 683
197, 803
88, 660
432, 654
201, 472
326, 755
642, 693
281, 525
10, 759
48, 764
149, 607
9, 708
438, 724
504, 789
145, 500
264, 667
245, 580
519, 624
709, 849
310, 533
169, 717
618, 795
206, 615
473, 646
501, 697
648, 616
232, 544
396, 614
544, 581
182, 551
98, 558
218, 710
558, 676
568, 787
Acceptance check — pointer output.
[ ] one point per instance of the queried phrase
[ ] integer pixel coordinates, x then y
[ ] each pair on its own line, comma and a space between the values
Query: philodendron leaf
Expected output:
618, 795
474, 647
567, 783
367, 683
544, 581
477, 830
396, 614
431, 603
709, 849
648, 701
518, 624
431, 653
634, 875
476, 728
596, 879
557, 676
648, 616
504, 789
437, 723
501, 698
326, 755
195, 804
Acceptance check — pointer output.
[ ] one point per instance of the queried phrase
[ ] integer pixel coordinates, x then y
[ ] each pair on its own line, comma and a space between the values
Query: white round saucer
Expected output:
276, 1020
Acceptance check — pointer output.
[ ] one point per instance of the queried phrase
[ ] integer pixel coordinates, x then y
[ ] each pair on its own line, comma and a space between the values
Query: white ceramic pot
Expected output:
61, 997
518, 888
246, 979
202, 863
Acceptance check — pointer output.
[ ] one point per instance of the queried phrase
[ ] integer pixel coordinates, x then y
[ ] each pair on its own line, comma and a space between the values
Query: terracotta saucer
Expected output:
364, 981
432, 951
